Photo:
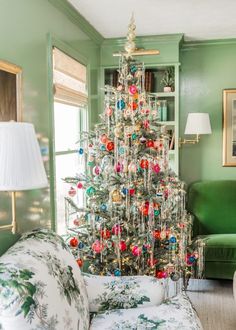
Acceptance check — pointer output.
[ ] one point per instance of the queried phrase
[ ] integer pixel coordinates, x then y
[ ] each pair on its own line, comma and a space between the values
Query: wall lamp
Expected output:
21, 164
197, 123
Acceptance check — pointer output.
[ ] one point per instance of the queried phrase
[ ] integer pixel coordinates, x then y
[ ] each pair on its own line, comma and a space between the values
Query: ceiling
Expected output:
197, 19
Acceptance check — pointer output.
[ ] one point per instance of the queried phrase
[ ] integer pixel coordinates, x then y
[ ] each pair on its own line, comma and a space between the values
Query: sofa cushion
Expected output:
41, 286
174, 314
109, 292
220, 247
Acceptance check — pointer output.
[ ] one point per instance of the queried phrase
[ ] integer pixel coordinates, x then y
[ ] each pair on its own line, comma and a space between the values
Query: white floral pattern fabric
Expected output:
41, 287
174, 314
109, 292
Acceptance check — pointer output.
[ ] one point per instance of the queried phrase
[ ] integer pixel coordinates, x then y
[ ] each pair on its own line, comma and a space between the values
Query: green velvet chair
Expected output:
213, 205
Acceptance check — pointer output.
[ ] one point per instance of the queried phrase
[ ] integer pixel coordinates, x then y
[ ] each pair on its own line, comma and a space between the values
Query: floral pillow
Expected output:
174, 314
109, 292
41, 286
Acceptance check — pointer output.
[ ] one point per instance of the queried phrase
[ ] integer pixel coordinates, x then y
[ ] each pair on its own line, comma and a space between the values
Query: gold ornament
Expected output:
116, 196
137, 127
117, 131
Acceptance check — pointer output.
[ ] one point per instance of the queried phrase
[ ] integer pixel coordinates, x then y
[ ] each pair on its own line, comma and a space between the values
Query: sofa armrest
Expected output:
108, 292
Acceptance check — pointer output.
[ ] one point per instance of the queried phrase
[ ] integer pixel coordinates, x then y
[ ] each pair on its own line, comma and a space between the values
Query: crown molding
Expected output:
213, 42
76, 18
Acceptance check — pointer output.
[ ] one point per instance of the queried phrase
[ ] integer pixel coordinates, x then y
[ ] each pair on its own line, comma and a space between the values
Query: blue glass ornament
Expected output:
97, 218
103, 207
87, 216
117, 272
125, 191
81, 245
133, 69
81, 151
102, 147
173, 239
121, 104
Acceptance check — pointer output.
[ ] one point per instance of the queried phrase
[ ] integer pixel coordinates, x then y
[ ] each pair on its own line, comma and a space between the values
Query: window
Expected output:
70, 119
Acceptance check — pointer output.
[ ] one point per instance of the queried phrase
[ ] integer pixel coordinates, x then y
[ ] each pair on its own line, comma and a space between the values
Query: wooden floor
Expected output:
214, 303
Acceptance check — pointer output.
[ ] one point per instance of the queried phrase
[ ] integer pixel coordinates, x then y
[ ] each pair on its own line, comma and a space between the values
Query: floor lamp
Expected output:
21, 164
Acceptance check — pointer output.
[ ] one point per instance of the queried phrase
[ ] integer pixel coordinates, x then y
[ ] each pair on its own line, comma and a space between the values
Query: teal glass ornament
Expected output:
133, 68
81, 151
90, 191
121, 104
117, 272
134, 136
121, 150
102, 147
156, 212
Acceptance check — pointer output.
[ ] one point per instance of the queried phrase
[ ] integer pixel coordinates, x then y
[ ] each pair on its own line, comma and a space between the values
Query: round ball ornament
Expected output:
122, 246
97, 246
132, 168
81, 245
76, 222
110, 146
144, 164
161, 274
121, 104
121, 150
109, 112
105, 233
80, 185
150, 143
74, 242
172, 239
90, 191
118, 167
102, 147
156, 168
144, 210
156, 234
136, 251
81, 151
125, 191
175, 276
117, 272
103, 138
117, 131
133, 105
72, 192
132, 89
116, 229
96, 170
133, 68
132, 191
143, 139
156, 213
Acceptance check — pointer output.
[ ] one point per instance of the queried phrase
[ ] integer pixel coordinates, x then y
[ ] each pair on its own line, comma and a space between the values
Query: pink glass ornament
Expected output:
156, 168
132, 168
96, 170
136, 251
146, 124
109, 112
79, 185
132, 89
118, 167
103, 138
72, 192
97, 246
116, 229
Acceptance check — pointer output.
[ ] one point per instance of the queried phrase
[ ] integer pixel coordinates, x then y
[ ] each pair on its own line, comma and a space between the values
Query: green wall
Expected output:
206, 69
25, 26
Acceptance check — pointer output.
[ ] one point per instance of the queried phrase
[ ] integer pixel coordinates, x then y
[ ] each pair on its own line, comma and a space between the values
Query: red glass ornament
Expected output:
150, 143
105, 233
122, 246
132, 192
110, 146
144, 164
156, 234
79, 185
133, 105
74, 242
79, 262
72, 192
161, 274
144, 210
116, 229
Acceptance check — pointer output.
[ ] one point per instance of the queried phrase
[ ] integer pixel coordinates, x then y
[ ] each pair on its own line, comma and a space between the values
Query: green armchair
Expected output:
213, 205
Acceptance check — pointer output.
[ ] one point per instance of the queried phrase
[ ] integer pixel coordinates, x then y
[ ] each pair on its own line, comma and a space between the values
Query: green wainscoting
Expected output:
25, 27
206, 69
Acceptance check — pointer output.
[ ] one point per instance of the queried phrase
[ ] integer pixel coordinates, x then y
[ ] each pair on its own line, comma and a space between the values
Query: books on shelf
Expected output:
149, 81
171, 139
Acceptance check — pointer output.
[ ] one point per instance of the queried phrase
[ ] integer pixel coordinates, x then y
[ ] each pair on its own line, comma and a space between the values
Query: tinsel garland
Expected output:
135, 220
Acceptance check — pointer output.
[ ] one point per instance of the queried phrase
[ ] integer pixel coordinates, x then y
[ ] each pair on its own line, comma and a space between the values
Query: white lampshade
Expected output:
21, 164
198, 123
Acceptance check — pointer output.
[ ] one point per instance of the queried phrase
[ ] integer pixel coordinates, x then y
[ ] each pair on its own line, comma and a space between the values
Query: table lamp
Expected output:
21, 164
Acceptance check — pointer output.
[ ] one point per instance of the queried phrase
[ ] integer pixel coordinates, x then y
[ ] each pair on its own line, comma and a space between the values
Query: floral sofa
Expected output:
42, 288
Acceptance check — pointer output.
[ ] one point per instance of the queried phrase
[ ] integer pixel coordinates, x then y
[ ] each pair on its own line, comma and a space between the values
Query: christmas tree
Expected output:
135, 220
